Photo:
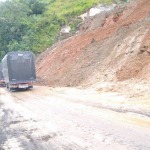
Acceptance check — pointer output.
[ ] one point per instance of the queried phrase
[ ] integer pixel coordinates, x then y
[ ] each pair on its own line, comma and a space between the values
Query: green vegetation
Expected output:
34, 25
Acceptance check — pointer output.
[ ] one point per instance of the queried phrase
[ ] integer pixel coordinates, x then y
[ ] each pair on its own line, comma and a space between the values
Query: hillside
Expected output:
92, 90
34, 25
117, 48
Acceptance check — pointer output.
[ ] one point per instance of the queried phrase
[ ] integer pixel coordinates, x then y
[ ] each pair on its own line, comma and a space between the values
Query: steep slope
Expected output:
116, 49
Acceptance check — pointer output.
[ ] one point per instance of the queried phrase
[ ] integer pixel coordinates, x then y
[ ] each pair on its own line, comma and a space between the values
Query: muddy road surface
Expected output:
46, 118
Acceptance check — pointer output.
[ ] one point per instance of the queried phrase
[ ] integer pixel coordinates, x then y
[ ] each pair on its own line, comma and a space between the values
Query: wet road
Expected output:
72, 119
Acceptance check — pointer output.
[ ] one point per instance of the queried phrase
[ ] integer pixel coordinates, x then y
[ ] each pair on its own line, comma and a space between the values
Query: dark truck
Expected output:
2, 82
19, 70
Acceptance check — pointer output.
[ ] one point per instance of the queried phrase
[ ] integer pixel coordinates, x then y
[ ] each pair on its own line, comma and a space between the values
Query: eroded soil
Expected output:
112, 46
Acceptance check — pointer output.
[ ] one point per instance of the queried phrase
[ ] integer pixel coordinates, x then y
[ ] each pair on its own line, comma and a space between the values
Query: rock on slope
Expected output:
117, 48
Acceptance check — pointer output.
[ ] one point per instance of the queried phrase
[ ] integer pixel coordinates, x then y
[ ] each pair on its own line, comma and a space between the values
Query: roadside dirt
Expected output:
65, 118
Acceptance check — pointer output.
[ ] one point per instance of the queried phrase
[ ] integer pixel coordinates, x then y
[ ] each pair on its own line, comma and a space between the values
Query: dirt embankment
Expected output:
112, 46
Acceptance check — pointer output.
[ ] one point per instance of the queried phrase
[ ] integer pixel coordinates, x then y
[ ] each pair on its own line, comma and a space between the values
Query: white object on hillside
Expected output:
96, 10
66, 29
100, 8
83, 16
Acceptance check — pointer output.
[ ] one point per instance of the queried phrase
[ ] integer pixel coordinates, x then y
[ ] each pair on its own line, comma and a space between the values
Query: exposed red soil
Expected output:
116, 49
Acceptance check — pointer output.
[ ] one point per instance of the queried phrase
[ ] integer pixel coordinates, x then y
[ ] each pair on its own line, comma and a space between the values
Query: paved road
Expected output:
71, 119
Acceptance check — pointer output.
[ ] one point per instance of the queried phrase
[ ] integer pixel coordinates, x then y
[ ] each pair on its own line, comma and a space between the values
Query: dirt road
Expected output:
48, 118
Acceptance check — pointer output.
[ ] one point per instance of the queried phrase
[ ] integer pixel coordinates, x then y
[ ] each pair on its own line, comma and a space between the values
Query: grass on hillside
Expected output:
71, 8
60, 13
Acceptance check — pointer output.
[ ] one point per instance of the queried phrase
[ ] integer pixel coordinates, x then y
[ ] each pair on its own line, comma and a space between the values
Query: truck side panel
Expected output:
2, 82
1, 74
5, 69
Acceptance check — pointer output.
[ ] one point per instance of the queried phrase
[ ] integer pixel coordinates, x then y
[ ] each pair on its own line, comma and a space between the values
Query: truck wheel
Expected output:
7, 85
9, 88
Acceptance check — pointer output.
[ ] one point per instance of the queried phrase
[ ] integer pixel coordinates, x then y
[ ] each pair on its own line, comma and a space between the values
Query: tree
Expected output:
37, 7
13, 24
